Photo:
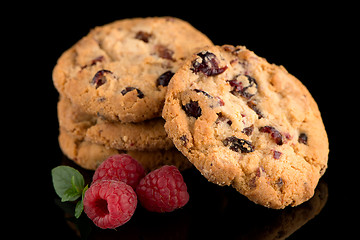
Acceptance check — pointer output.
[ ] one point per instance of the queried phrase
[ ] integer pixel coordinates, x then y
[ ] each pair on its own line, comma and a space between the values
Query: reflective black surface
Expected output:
213, 212
313, 43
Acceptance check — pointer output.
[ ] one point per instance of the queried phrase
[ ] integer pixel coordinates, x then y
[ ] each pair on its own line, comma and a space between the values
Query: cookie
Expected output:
147, 135
86, 154
121, 70
90, 155
247, 123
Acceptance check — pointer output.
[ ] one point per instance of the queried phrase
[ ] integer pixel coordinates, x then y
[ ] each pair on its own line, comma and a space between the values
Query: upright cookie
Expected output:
247, 123
121, 70
147, 135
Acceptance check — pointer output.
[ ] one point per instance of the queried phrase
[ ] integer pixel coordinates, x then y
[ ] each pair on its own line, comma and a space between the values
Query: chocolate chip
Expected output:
99, 79
144, 36
164, 79
303, 138
129, 89
238, 144
243, 85
192, 109
275, 134
207, 64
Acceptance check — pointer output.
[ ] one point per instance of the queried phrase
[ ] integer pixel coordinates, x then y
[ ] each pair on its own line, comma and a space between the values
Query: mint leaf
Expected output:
69, 186
70, 195
79, 208
68, 182
77, 185
80, 205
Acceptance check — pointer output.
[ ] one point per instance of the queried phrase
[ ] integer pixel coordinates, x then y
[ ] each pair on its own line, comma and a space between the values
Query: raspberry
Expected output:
163, 190
120, 167
110, 204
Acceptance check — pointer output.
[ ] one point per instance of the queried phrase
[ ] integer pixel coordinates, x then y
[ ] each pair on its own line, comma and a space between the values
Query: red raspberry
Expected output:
163, 190
120, 167
110, 204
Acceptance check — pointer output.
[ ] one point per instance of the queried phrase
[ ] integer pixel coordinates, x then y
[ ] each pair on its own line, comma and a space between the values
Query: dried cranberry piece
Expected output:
184, 139
253, 106
99, 78
164, 78
140, 94
275, 134
238, 144
203, 92
192, 109
222, 118
208, 64
221, 102
93, 62
287, 136
232, 49
279, 182
303, 138
277, 154
248, 130
243, 85
143, 36
260, 172
164, 52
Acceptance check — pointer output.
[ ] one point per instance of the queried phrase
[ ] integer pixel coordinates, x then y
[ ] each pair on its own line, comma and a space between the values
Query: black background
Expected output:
314, 43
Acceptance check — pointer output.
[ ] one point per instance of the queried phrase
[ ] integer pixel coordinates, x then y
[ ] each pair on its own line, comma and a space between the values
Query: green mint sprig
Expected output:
69, 185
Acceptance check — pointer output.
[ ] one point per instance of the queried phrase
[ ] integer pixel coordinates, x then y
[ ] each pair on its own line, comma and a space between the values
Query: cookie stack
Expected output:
112, 85
238, 119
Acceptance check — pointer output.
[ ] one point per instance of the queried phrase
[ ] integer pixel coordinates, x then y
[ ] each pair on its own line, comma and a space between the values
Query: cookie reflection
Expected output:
228, 215
284, 223
212, 212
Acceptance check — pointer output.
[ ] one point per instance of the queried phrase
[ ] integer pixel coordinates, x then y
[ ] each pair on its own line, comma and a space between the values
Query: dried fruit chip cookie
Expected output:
143, 136
121, 70
247, 123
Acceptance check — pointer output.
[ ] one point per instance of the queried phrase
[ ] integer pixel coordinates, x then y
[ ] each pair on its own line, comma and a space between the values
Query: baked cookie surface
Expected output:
121, 70
247, 123
90, 155
147, 135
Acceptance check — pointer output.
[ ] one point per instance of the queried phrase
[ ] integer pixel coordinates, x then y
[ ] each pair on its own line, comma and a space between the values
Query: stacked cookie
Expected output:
238, 119
112, 85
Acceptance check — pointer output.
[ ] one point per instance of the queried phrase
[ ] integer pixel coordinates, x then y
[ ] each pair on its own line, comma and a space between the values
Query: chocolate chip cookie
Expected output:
247, 123
121, 70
